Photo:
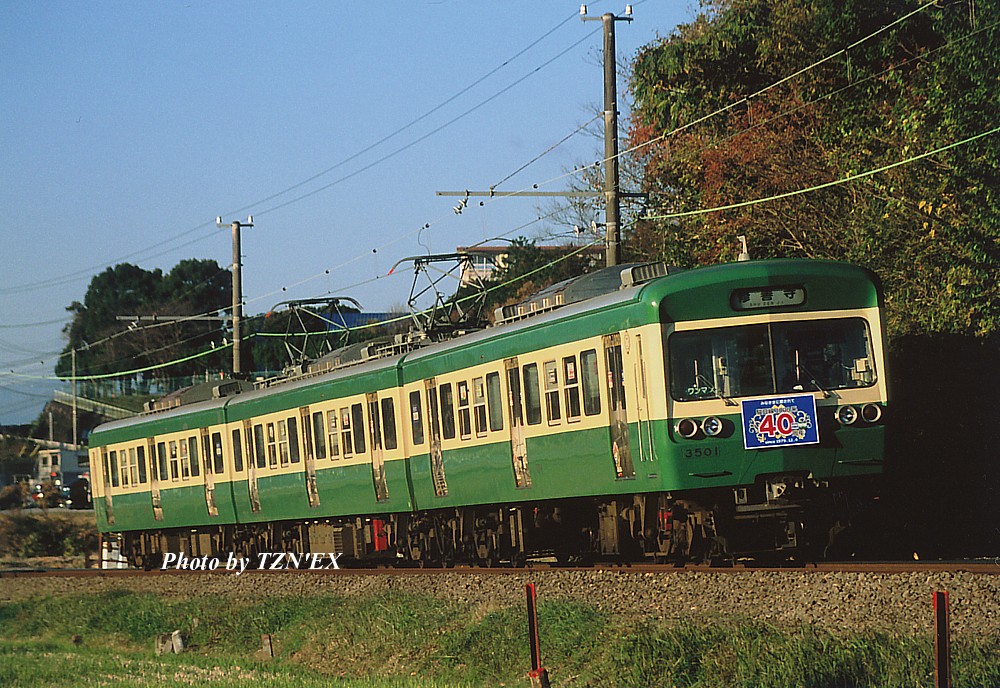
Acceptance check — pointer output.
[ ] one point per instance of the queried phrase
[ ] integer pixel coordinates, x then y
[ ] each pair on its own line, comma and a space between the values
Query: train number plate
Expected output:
780, 421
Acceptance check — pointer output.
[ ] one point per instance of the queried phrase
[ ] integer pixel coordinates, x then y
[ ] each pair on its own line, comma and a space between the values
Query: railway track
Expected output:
981, 567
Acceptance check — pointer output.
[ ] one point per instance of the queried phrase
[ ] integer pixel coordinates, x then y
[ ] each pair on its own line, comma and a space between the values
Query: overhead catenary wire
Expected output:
84, 272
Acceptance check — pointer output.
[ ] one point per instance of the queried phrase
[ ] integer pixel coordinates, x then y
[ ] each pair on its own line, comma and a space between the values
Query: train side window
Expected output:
334, 441
447, 411
479, 405
572, 391
113, 467
283, 442
123, 468
345, 431
193, 447
416, 418
389, 423
358, 418
464, 413
319, 434
174, 465
494, 401
258, 443
591, 383
217, 453
141, 452
185, 462
161, 453
552, 392
272, 447
532, 395
293, 440
616, 377
133, 466
237, 452
375, 424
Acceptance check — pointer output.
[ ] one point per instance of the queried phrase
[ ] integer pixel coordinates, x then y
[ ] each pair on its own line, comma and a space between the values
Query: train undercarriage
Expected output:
787, 517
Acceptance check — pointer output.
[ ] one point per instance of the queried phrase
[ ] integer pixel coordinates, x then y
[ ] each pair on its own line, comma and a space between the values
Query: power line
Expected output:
818, 187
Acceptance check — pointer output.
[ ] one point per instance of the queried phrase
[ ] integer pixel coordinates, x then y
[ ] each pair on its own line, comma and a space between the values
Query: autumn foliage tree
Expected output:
784, 119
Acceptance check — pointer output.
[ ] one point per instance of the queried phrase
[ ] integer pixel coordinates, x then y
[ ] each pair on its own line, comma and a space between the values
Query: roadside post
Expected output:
539, 675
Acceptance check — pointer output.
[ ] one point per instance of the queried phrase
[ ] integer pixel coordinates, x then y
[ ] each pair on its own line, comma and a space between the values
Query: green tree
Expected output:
105, 344
929, 228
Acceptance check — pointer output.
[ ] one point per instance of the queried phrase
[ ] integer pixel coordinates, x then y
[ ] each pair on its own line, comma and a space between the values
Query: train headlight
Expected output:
711, 426
871, 413
847, 415
686, 428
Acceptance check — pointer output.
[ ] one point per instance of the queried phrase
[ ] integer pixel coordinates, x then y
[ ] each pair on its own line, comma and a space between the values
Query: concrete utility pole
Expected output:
237, 288
611, 186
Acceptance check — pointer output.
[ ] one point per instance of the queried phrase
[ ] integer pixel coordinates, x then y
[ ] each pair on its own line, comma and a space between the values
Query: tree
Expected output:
106, 345
930, 228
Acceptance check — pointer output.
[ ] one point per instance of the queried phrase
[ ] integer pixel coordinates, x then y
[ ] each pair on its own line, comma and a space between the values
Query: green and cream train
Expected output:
634, 412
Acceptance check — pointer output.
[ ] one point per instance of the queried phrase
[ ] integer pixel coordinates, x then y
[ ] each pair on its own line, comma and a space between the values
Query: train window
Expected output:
133, 467
174, 464
358, 418
616, 377
479, 405
591, 383
193, 446
258, 444
141, 452
345, 431
237, 452
272, 446
389, 423
319, 433
494, 401
185, 462
769, 358
572, 390
374, 424
293, 440
331, 418
464, 413
416, 418
161, 453
447, 411
552, 392
532, 394
113, 468
217, 453
283, 442
123, 467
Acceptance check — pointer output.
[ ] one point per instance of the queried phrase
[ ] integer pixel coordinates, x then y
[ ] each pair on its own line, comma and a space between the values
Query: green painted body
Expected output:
565, 463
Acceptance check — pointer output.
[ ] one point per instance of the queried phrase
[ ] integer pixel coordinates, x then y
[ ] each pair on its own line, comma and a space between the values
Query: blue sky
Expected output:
128, 127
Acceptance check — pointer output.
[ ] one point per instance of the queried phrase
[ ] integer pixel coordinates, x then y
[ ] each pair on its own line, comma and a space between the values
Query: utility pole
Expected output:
237, 288
74, 398
611, 184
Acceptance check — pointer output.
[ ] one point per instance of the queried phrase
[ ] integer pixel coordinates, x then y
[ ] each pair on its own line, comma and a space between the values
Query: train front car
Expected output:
775, 391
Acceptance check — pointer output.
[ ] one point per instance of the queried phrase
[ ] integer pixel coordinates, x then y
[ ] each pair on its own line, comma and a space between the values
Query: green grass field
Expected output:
406, 640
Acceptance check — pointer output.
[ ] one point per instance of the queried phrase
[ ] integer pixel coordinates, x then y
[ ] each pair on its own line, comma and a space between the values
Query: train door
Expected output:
109, 506
378, 457
255, 454
436, 456
206, 455
515, 411
154, 482
642, 408
617, 416
307, 440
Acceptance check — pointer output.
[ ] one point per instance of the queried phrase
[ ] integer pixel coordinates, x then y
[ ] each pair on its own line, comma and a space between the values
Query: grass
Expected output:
409, 640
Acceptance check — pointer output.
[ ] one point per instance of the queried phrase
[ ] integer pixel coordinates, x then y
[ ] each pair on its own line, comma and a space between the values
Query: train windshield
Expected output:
770, 358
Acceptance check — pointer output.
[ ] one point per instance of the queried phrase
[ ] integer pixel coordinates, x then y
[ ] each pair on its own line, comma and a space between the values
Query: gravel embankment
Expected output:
839, 602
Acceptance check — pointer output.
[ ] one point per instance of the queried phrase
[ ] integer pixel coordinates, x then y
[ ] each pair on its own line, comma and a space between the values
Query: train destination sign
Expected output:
780, 421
